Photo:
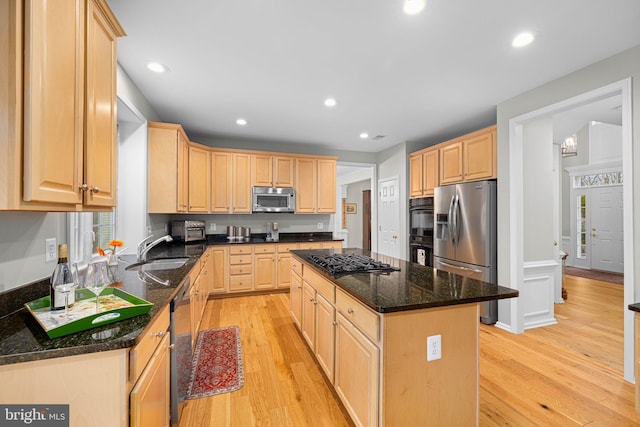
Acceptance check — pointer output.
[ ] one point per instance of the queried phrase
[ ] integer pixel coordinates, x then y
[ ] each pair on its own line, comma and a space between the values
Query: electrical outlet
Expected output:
212, 226
320, 226
50, 250
166, 228
434, 347
149, 230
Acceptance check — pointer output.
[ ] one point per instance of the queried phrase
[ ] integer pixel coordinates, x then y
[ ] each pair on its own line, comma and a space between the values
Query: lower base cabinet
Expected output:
295, 298
357, 373
149, 399
325, 334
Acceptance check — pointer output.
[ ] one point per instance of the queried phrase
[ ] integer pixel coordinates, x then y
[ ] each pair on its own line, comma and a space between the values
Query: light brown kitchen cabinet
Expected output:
295, 298
306, 185
149, 398
480, 156
240, 268
168, 158
283, 171
219, 269
59, 142
451, 163
325, 334
308, 318
199, 172
430, 172
357, 374
284, 264
415, 175
264, 267
221, 179
241, 184
271, 171
326, 183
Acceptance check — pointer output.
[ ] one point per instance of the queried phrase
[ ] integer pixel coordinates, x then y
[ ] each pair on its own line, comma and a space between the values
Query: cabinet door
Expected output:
295, 299
356, 373
241, 186
415, 176
479, 157
149, 398
54, 101
430, 172
305, 185
264, 275
221, 182
199, 179
326, 183
100, 156
183, 173
219, 270
451, 163
261, 170
284, 270
283, 171
163, 169
325, 335
308, 319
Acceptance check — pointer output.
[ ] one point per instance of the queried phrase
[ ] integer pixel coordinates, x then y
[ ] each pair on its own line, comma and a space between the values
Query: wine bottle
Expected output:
61, 274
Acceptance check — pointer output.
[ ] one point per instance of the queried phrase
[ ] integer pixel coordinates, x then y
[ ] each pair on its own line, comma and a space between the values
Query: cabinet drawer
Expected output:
296, 266
286, 247
321, 285
140, 354
264, 249
240, 250
366, 320
240, 259
311, 245
240, 282
235, 270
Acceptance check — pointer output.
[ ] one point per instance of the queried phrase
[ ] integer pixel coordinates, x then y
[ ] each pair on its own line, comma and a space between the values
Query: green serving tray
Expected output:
116, 305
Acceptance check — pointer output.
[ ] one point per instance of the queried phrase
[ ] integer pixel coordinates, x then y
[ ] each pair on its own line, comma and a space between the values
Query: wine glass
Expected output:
97, 278
65, 280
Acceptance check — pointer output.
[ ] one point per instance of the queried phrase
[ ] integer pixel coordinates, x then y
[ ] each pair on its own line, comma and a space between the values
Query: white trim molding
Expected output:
537, 291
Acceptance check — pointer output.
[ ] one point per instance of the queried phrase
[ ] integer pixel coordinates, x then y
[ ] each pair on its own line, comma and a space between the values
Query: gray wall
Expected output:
354, 221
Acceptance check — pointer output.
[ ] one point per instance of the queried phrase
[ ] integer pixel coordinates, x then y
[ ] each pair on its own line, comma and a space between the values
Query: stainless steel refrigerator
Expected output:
466, 235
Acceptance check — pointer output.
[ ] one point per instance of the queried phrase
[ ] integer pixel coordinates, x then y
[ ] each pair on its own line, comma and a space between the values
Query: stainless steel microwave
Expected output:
273, 199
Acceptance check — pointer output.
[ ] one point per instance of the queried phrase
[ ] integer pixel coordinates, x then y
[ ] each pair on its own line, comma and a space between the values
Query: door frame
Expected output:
378, 232
516, 203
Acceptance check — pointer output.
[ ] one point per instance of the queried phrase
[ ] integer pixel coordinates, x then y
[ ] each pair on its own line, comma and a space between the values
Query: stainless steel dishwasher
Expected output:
182, 353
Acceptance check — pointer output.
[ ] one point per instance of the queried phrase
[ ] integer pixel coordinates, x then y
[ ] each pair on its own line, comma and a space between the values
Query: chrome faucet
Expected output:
144, 247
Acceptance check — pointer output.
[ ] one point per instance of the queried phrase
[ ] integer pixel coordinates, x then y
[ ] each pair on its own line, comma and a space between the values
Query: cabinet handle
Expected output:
350, 310
84, 187
171, 346
95, 190
159, 334
310, 299
334, 323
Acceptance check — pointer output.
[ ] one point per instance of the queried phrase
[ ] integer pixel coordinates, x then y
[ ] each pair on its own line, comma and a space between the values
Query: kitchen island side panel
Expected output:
436, 393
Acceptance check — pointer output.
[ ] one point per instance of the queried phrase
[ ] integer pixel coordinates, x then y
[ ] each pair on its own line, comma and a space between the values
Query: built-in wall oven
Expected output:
421, 230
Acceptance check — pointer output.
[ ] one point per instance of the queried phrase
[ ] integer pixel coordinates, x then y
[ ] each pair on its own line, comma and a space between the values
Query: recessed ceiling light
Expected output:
413, 7
364, 135
330, 102
157, 67
522, 39
241, 122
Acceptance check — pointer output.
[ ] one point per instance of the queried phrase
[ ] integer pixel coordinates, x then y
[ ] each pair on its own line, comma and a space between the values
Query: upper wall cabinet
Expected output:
168, 179
470, 157
315, 185
58, 136
271, 171
199, 178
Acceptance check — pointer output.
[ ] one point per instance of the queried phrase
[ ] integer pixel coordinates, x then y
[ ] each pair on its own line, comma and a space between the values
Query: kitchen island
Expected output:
372, 333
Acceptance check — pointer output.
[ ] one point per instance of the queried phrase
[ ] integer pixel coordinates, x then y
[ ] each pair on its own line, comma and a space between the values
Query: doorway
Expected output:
517, 265
366, 220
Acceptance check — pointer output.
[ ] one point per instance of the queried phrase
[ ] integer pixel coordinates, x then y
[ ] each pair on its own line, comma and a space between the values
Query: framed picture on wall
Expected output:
352, 208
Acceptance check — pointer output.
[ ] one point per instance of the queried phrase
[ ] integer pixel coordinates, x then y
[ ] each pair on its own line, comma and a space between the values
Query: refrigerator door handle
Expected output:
459, 267
450, 223
456, 224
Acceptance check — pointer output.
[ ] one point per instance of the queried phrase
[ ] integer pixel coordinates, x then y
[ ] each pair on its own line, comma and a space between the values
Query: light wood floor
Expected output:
564, 375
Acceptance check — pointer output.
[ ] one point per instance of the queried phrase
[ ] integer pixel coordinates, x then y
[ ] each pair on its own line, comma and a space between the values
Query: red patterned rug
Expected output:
217, 363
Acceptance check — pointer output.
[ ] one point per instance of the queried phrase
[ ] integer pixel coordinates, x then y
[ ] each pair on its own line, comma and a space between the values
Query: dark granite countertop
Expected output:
221, 239
413, 287
635, 307
22, 339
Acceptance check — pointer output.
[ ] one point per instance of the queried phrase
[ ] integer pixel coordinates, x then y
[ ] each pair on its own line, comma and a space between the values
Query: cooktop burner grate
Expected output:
344, 264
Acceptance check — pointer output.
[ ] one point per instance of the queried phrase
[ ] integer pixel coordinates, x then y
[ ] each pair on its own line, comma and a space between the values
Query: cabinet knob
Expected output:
350, 310
311, 299
84, 187
95, 190
158, 334
334, 323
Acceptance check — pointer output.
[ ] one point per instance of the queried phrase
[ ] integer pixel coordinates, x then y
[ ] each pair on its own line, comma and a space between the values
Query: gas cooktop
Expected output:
338, 264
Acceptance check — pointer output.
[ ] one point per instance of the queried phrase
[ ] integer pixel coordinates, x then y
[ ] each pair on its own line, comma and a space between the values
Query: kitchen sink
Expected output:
158, 264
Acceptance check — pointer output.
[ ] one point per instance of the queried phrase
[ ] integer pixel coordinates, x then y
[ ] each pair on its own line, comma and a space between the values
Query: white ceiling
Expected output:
409, 78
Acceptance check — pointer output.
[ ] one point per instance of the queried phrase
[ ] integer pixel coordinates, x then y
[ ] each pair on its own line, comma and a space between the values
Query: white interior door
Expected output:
389, 218
607, 237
